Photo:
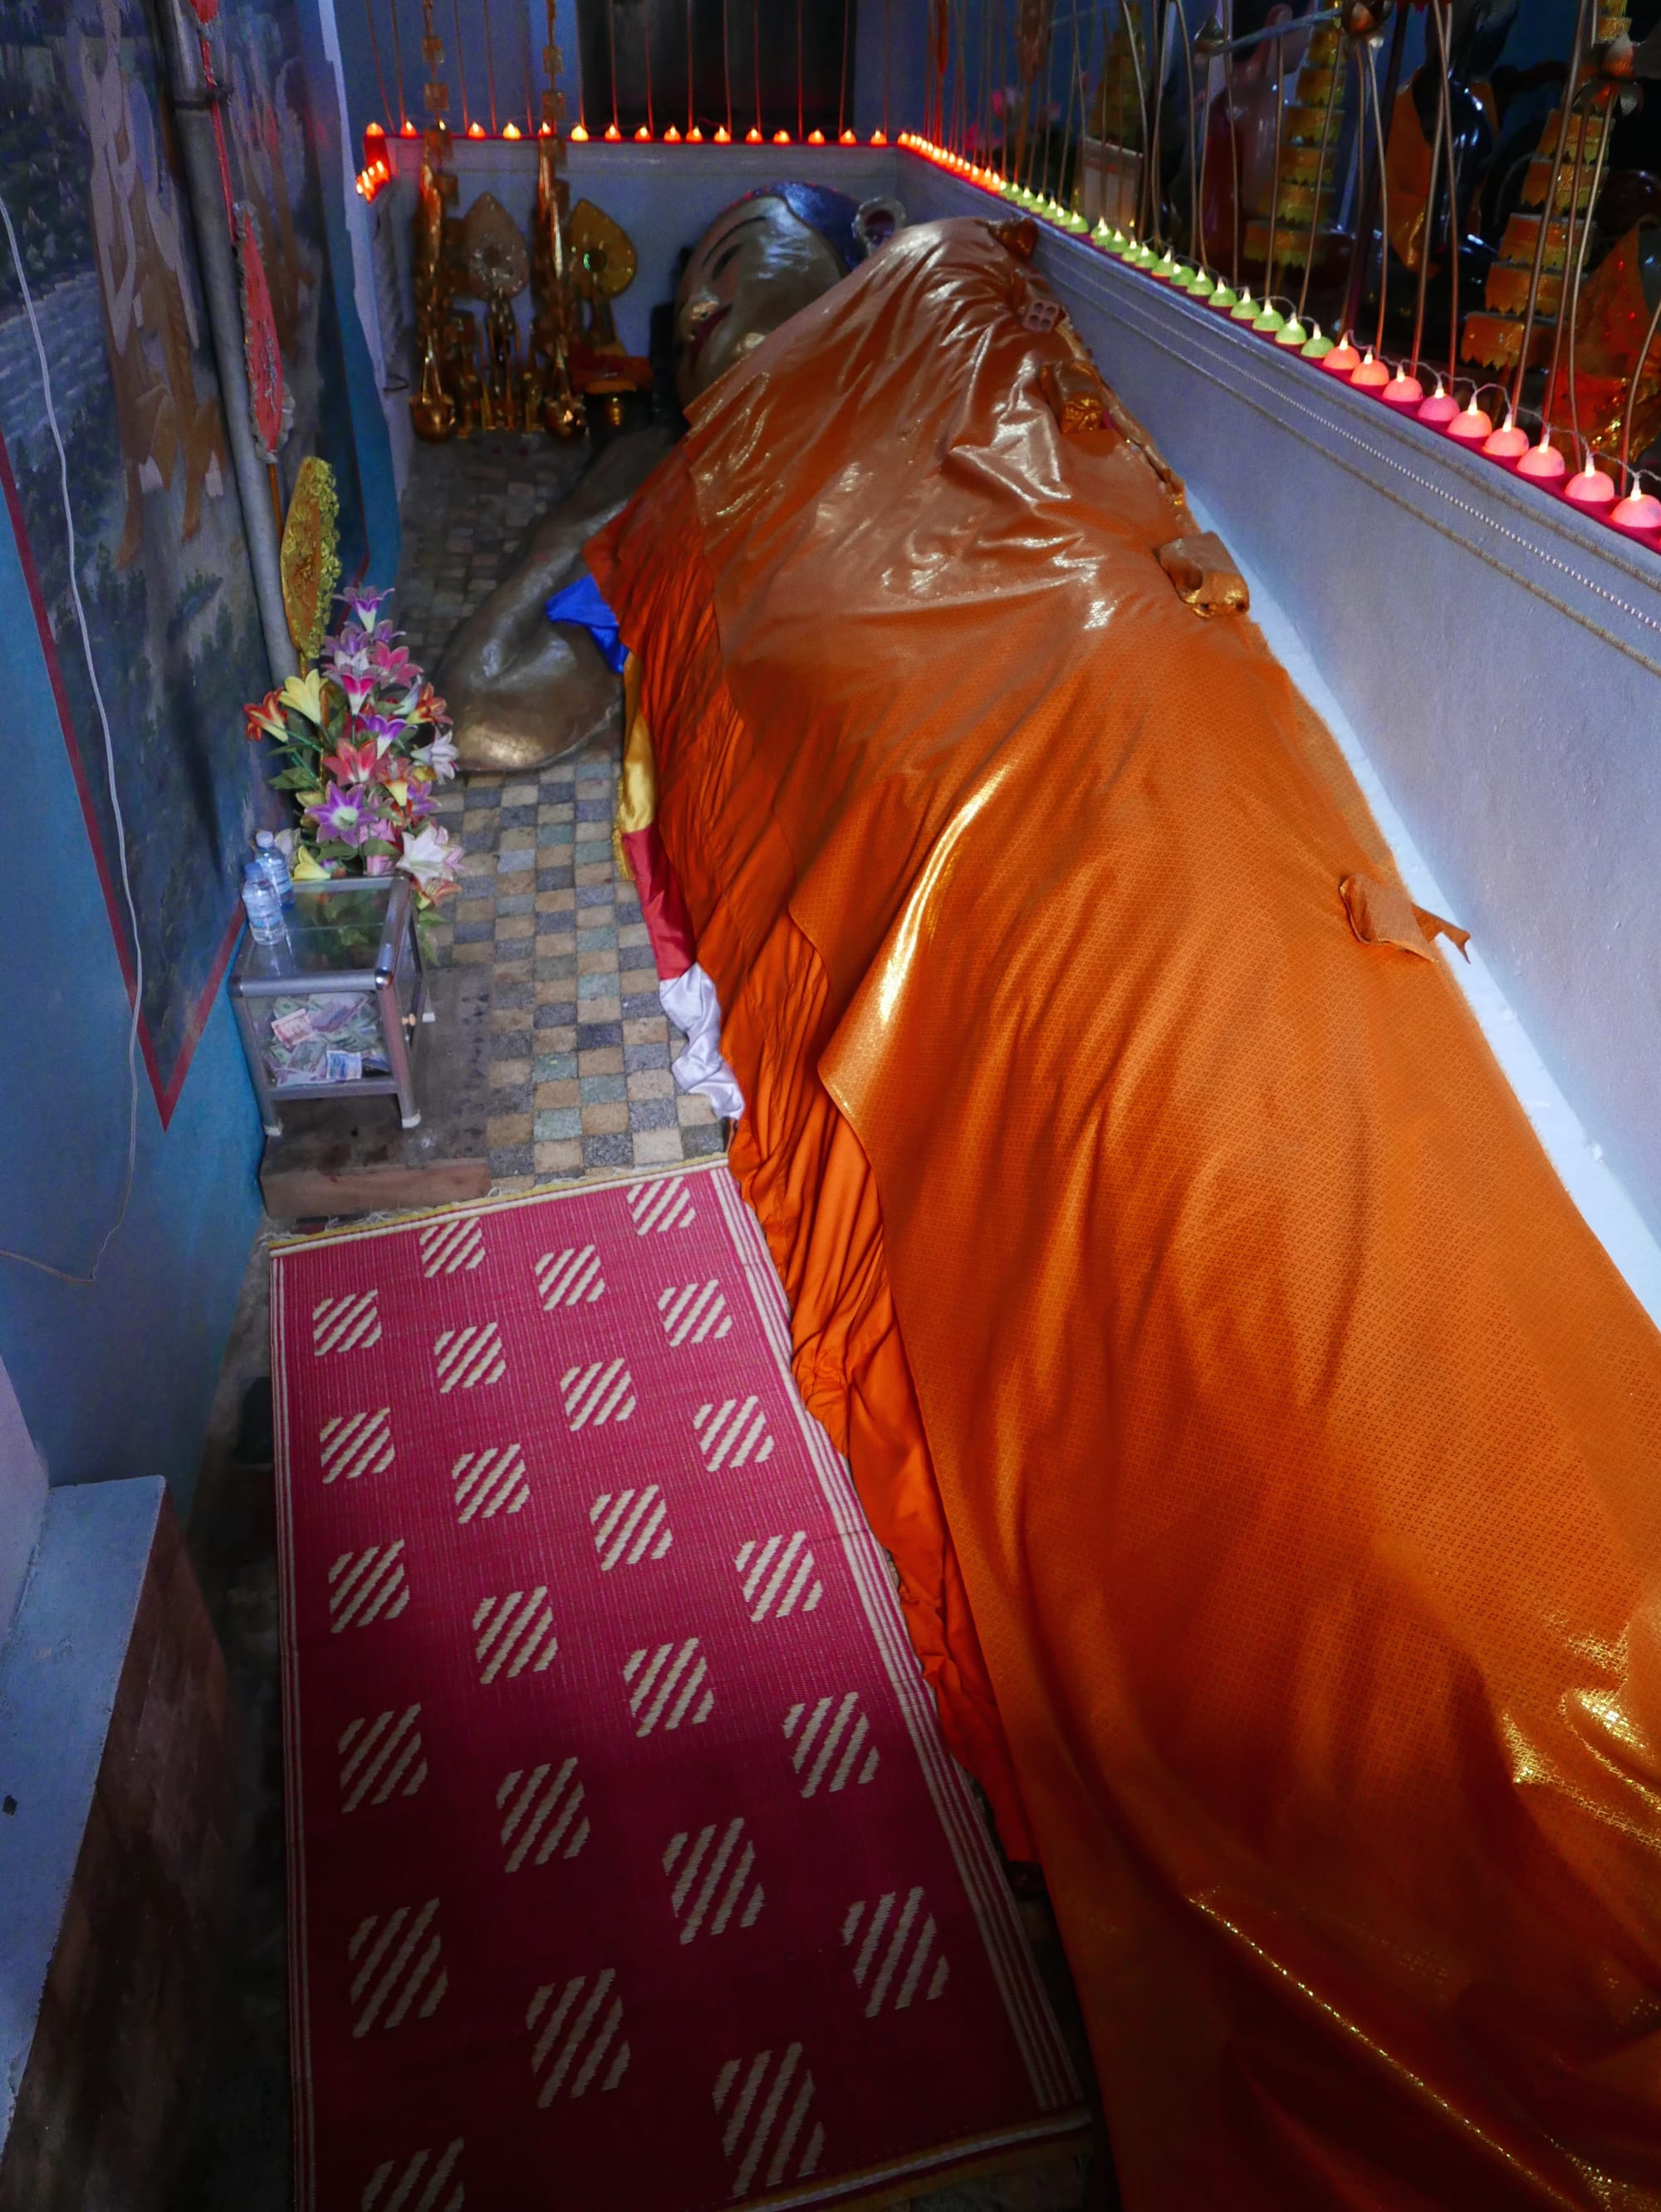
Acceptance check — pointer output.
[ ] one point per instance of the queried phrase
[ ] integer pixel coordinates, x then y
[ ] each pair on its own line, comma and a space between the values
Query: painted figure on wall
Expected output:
89, 174
149, 317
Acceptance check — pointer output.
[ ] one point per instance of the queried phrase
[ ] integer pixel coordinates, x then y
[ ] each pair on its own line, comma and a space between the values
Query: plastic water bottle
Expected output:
275, 866
262, 906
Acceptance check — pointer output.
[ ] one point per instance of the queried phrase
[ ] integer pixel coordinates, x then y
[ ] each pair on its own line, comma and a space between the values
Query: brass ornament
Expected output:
310, 559
498, 269
552, 331
603, 264
433, 407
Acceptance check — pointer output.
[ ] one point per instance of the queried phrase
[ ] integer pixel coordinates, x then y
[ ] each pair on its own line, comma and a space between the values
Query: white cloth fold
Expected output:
691, 1003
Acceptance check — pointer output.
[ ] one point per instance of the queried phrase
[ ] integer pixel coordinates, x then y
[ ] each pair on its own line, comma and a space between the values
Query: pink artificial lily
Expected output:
359, 688
354, 764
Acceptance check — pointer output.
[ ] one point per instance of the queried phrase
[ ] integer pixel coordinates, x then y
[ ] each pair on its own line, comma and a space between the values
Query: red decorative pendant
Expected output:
259, 337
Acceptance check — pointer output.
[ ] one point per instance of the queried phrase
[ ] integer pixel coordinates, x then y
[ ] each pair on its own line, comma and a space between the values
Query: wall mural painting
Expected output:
93, 182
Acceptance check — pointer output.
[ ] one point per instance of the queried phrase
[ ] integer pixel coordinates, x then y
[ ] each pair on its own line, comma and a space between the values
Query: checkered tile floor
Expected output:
580, 1049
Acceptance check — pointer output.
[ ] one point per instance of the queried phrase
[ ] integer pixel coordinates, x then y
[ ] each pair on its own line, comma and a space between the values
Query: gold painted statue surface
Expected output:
523, 692
752, 269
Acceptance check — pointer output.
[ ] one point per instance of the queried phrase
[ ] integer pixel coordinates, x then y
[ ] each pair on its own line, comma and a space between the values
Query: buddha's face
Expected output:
751, 270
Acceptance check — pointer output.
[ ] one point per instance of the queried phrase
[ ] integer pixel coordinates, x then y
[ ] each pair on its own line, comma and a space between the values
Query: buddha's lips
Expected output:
697, 336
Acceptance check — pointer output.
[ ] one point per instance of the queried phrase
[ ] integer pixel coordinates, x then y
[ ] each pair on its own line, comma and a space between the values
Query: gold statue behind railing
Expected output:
458, 392
550, 261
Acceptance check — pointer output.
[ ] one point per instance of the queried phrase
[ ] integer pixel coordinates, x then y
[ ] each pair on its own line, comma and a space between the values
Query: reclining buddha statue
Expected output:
524, 691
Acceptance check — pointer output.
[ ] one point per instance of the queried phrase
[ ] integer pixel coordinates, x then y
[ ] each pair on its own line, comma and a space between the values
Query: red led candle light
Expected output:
1471, 426
1637, 515
816, 138
1403, 392
1440, 410
1507, 446
695, 137
578, 136
752, 136
847, 138
878, 138
1344, 360
644, 135
671, 137
476, 129
723, 136
1592, 489
1371, 376
781, 137
1544, 462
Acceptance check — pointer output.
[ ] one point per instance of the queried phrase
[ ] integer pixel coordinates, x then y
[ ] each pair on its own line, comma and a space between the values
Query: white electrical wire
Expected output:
23, 1259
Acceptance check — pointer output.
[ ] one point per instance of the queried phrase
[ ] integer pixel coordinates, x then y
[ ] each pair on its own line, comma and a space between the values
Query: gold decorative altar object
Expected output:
1309, 180
1616, 304
1118, 106
432, 408
602, 265
310, 560
498, 269
550, 262
478, 381
1493, 336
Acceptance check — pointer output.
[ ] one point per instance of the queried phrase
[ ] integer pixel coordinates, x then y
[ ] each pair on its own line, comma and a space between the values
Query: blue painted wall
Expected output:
374, 551
115, 1380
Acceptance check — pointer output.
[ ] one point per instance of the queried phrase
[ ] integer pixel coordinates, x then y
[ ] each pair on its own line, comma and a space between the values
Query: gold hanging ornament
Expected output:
551, 333
310, 558
433, 405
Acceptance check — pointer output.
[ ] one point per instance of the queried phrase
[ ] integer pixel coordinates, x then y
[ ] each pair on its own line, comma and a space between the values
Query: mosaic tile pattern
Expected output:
581, 1048
467, 508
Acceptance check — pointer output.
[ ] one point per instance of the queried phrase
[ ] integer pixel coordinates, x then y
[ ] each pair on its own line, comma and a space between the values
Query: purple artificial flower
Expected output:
385, 729
365, 603
348, 817
359, 688
378, 864
420, 802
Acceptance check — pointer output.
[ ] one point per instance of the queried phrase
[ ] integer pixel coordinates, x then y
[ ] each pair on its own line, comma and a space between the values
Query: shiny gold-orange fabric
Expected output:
1218, 1354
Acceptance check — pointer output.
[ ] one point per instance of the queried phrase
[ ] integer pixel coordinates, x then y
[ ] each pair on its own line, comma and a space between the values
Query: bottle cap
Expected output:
266, 840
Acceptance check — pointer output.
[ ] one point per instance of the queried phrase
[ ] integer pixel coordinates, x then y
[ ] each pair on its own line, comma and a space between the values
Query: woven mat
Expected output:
627, 1869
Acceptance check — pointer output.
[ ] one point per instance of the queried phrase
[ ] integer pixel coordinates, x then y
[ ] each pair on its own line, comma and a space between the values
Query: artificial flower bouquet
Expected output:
363, 740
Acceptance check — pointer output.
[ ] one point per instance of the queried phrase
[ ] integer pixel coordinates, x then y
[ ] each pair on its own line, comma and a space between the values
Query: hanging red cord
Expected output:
752, 136
649, 128
490, 71
611, 32
800, 120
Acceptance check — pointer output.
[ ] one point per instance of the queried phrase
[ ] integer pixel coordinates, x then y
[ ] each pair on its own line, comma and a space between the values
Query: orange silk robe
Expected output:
1273, 1461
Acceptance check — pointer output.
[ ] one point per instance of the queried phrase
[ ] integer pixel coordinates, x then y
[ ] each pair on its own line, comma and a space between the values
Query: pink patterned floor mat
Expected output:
629, 1871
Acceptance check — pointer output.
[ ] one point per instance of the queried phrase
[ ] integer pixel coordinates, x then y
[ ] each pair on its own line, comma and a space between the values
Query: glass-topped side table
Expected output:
333, 1010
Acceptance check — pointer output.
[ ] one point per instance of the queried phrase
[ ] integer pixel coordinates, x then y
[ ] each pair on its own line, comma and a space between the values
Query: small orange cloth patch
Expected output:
1076, 395
1204, 574
1381, 913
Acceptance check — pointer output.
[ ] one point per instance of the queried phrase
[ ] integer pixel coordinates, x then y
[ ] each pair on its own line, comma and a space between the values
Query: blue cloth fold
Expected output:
583, 603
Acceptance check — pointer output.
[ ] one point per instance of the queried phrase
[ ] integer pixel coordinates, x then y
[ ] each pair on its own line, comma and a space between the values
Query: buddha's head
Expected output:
761, 260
